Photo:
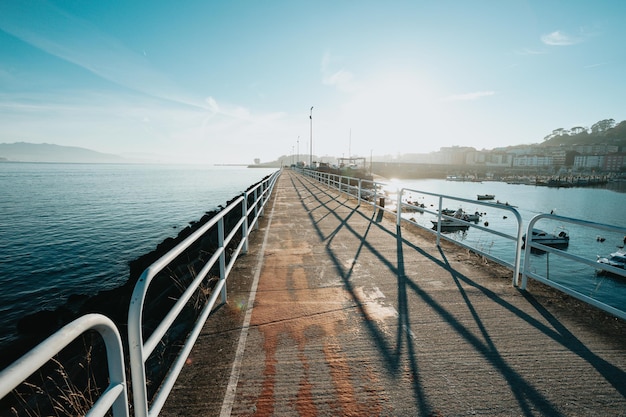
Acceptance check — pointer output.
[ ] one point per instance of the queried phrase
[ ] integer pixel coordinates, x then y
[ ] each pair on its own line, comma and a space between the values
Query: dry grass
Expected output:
58, 391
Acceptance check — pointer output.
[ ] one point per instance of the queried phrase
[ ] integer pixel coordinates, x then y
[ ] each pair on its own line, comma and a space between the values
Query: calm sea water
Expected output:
72, 228
600, 205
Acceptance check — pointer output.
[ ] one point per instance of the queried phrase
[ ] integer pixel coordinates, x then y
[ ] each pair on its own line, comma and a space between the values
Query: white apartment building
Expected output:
535, 161
588, 161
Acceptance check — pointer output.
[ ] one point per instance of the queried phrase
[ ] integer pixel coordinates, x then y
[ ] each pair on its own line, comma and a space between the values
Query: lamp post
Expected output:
298, 157
311, 141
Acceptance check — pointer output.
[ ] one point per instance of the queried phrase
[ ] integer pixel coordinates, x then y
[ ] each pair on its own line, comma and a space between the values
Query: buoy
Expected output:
486, 224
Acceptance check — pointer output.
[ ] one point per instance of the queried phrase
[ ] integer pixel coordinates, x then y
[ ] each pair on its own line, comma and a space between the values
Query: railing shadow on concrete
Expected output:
140, 350
114, 397
527, 396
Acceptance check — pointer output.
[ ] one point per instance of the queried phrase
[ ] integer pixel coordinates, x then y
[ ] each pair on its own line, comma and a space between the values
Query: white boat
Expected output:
616, 259
560, 240
471, 217
450, 225
460, 214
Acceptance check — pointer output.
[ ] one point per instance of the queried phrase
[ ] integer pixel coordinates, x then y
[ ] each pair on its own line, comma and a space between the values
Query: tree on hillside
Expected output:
618, 132
605, 131
602, 126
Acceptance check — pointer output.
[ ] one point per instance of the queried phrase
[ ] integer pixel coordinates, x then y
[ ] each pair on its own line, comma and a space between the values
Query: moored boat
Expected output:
500, 203
450, 225
616, 259
560, 240
461, 214
414, 206
486, 196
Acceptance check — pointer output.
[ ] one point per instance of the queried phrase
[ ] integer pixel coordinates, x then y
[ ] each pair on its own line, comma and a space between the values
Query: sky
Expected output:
230, 81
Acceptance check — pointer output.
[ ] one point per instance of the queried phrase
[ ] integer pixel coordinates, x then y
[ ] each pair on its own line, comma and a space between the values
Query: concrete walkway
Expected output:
352, 317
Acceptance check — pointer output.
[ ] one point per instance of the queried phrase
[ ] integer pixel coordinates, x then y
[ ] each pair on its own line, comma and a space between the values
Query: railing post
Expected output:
439, 221
399, 207
359, 192
256, 206
220, 243
136, 349
244, 225
518, 252
262, 198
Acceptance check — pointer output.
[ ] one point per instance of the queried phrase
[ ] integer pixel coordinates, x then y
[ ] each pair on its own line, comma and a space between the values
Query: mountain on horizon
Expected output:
46, 152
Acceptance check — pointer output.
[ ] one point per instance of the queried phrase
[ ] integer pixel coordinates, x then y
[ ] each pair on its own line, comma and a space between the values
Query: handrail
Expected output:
517, 238
140, 351
530, 244
114, 397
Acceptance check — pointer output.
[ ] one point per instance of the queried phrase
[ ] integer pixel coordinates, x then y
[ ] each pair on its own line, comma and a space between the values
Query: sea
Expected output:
73, 228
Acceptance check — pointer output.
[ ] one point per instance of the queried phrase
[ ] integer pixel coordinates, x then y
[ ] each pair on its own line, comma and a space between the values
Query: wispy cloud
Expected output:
559, 38
469, 96
528, 51
599, 64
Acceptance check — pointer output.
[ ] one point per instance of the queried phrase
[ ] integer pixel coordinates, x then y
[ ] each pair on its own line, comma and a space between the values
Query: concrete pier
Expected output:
336, 312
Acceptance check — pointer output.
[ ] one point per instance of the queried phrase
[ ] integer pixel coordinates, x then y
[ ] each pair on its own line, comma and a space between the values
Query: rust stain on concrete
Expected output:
291, 310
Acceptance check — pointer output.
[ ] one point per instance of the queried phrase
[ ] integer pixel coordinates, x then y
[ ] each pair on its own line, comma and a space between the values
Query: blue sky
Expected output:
230, 81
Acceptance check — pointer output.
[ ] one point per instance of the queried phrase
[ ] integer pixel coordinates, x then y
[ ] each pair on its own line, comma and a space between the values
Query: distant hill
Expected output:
45, 152
603, 132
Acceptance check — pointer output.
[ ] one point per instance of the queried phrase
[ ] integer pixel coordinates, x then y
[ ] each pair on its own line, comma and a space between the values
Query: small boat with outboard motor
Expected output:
560, 240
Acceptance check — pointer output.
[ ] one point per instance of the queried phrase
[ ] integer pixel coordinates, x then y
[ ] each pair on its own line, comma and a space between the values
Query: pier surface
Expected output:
352, 317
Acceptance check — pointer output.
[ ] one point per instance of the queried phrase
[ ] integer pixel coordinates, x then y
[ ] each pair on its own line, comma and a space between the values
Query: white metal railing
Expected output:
362, 189
114, 398
344, 184
530, 245
139, 350
517, 238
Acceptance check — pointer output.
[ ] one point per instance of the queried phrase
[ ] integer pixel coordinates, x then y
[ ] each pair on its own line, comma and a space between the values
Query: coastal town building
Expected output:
595, 157
588, 161
614, 162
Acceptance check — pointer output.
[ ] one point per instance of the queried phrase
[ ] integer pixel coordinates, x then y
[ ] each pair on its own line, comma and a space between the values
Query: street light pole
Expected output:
311, 141
298, 158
